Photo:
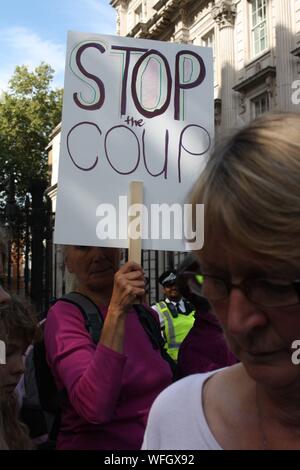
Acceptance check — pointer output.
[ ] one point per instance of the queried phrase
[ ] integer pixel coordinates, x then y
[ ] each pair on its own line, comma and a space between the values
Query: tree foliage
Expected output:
29, 111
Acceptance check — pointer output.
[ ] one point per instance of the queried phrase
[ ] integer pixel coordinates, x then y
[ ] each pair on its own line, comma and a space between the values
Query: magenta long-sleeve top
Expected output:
109, 393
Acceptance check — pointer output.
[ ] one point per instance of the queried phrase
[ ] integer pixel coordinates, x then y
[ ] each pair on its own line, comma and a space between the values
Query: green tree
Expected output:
29, 111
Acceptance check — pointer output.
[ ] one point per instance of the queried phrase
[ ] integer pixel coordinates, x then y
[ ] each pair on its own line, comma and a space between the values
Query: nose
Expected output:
242, 315
4, 296
107, 255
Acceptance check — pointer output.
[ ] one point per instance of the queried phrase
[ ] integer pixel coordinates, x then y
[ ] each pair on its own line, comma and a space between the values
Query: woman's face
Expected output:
94, 267
11, 372
260, 337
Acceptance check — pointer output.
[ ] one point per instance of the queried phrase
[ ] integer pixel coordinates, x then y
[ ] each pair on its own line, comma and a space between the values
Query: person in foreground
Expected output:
251, 267
110, 386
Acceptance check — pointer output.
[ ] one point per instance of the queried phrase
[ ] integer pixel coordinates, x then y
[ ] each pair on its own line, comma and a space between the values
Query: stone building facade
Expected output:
256, 48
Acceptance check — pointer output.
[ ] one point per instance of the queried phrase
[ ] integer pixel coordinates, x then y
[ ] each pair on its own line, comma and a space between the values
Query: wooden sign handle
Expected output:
136, 196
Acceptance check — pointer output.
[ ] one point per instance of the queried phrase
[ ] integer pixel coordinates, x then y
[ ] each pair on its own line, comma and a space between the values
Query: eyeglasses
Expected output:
263, 292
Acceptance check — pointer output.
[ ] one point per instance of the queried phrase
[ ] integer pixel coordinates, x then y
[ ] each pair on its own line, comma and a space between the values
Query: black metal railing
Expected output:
34, 263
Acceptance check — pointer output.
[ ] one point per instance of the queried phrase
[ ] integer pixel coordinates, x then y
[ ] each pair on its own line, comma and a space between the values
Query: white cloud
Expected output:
25, 47
20, 45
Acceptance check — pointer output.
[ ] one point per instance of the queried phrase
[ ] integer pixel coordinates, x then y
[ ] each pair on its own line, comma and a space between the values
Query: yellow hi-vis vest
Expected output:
176, 328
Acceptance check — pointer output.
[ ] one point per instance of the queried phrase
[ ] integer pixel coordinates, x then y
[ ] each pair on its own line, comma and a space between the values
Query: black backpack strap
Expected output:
90, 312
51, 398
152, 327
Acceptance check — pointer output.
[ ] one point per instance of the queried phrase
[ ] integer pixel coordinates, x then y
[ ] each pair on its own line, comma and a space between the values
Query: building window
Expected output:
259, 26
209, 41
260, 105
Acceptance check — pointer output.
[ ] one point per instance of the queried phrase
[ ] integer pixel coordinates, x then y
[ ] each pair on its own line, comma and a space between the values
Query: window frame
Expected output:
256, 99
258, 26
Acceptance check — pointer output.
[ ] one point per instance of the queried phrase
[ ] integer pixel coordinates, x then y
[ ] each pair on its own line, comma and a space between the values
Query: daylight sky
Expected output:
32, 31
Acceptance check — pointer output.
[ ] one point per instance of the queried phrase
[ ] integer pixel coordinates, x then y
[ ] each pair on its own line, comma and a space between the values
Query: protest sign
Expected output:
134, 110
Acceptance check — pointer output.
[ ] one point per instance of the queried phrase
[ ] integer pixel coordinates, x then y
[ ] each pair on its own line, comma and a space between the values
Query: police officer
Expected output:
176, 313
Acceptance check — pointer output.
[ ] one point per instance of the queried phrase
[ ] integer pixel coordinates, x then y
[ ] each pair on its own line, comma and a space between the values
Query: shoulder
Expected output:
226, 383
224, 394
178, 396
63, 315
177, 420
177, 390
63, 308
155, 307
65, 331
154, 313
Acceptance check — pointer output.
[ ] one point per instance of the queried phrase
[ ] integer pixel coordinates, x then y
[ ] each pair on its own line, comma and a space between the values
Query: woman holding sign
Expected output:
110, 385
251, 267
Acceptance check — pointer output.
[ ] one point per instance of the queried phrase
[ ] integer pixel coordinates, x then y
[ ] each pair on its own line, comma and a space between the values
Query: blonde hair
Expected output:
251, 189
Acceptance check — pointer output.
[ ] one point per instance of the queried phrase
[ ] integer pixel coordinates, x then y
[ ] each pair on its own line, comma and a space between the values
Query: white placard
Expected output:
134, 110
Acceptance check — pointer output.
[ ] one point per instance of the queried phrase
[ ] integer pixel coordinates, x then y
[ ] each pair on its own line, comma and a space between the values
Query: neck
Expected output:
282, 406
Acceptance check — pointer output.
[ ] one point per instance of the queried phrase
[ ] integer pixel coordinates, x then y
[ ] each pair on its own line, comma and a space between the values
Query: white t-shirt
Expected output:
177, 421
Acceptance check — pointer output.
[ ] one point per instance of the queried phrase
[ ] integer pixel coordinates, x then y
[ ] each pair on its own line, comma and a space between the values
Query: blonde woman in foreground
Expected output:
251, 266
